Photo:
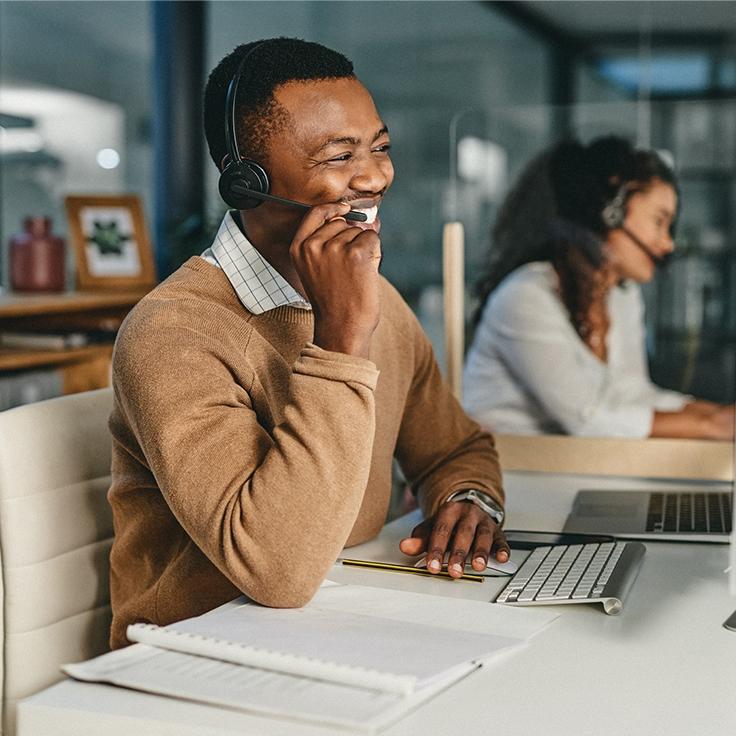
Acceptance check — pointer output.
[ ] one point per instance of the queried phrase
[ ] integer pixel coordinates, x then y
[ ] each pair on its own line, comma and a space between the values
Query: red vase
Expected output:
37, 257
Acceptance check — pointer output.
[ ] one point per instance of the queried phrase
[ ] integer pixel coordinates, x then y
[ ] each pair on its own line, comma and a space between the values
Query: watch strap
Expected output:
482, 500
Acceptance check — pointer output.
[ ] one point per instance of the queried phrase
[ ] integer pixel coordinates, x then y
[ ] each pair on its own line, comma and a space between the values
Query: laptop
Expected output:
667, 515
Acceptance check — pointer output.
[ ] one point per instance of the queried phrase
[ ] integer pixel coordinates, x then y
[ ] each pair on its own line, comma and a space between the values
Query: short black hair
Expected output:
276, 62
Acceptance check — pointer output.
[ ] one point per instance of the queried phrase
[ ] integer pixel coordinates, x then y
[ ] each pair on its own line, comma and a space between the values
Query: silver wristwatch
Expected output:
482, 501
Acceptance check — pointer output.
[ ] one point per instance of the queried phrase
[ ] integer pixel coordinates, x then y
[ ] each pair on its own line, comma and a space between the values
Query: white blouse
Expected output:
528, 371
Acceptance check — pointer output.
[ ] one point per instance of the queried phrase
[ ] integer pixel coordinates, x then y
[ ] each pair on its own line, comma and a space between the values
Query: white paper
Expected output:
252, 690
472, 616
327, 642
437, 641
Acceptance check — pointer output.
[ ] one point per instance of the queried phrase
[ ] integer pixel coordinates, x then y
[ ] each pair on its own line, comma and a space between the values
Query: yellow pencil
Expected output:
413, 570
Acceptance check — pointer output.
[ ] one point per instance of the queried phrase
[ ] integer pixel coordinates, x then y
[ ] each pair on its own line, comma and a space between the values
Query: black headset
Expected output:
244, 183
613, 215
614, 212
241, 178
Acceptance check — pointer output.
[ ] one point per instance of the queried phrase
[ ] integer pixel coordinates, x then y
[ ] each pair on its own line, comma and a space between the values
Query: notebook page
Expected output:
249, 689
331, 645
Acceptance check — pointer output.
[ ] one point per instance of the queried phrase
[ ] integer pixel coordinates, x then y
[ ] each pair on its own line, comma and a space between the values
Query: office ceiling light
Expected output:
19, 140
108, 158
669, 73
484, 163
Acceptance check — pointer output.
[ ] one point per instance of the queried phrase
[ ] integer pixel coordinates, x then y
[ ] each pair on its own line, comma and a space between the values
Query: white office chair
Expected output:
55, 536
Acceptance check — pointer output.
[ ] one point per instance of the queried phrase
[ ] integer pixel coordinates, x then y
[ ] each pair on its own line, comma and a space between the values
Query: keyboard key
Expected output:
727, 515
527, 595
670, 513
700, 518
582, 591
655, 511
714, 513
685, 513
656, 503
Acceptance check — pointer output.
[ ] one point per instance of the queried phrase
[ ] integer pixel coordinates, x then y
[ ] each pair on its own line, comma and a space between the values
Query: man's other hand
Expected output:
462, 529
338, 267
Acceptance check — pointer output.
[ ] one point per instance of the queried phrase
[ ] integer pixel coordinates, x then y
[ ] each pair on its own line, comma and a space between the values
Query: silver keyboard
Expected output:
576, 573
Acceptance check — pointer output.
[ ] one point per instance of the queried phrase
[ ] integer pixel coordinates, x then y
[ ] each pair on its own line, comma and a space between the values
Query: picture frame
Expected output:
110, 240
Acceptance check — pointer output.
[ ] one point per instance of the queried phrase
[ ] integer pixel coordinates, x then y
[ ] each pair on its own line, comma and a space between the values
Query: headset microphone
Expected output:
244, 183
659, 260
244, 191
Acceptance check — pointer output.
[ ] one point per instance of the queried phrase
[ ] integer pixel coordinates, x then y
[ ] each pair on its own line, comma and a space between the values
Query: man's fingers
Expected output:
462, 539
329, 232
417, 542
500, 548
482, 546
439, 537
366, 246
318, 216
458, 530
412, 546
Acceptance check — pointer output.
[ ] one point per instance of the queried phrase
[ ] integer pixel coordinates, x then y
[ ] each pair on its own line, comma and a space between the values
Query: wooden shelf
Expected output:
14, 305
12, 359
82, 369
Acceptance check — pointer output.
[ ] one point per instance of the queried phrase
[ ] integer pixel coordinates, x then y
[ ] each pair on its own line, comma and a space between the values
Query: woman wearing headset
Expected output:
559, 342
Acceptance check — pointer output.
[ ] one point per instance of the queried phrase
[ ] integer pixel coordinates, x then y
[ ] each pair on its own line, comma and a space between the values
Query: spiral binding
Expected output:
268, 659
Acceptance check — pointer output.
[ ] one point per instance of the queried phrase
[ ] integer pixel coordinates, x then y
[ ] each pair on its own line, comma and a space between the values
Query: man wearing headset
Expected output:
262, 391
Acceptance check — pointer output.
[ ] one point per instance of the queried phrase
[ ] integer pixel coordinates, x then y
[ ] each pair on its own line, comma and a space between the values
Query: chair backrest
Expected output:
55, 537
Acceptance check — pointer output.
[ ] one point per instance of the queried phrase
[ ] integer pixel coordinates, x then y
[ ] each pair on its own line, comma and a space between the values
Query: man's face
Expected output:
334, 149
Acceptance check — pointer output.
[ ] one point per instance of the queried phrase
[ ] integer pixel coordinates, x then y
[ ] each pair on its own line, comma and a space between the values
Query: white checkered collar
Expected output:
259, 286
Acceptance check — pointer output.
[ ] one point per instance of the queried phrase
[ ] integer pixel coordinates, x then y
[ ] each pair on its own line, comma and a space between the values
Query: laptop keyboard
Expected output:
576, 573
689, 512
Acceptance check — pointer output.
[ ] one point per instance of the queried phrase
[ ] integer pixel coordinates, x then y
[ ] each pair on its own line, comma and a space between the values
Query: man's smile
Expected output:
370, 210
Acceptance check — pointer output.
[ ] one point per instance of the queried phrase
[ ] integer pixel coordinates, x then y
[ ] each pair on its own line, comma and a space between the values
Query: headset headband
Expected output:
232, 94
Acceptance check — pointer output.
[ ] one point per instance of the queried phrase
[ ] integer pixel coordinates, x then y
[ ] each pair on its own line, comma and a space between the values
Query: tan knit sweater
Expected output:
245, 457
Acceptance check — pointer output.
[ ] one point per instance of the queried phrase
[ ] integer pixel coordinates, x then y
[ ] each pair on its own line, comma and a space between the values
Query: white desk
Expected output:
664, 666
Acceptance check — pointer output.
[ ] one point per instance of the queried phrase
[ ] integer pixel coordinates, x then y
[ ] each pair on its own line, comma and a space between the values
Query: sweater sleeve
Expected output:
643, 389
439, 448
271, 509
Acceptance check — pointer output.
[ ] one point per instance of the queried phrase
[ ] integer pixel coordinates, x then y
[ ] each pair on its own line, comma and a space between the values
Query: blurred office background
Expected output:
103, 97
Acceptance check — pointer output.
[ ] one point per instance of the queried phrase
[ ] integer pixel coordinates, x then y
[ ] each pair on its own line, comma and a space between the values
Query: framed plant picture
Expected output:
111, 243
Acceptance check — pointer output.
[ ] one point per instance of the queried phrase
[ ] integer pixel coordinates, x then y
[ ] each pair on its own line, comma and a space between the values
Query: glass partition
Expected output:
465, 93
690, 310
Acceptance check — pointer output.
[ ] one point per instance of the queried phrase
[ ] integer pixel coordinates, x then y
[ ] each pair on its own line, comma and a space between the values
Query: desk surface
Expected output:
664, 666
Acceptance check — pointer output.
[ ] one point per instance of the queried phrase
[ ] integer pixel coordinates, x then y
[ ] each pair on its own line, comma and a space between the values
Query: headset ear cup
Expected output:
612, 216
240, 175
614, 213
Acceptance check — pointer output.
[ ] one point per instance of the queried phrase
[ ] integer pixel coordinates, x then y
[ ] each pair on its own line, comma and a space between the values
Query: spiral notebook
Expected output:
329, 662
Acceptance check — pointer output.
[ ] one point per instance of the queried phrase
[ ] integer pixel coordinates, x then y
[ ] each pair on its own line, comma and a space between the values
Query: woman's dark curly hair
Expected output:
553, 213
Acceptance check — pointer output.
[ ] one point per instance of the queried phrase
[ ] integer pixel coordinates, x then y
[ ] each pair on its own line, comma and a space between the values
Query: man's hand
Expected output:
338, 267
462, 529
